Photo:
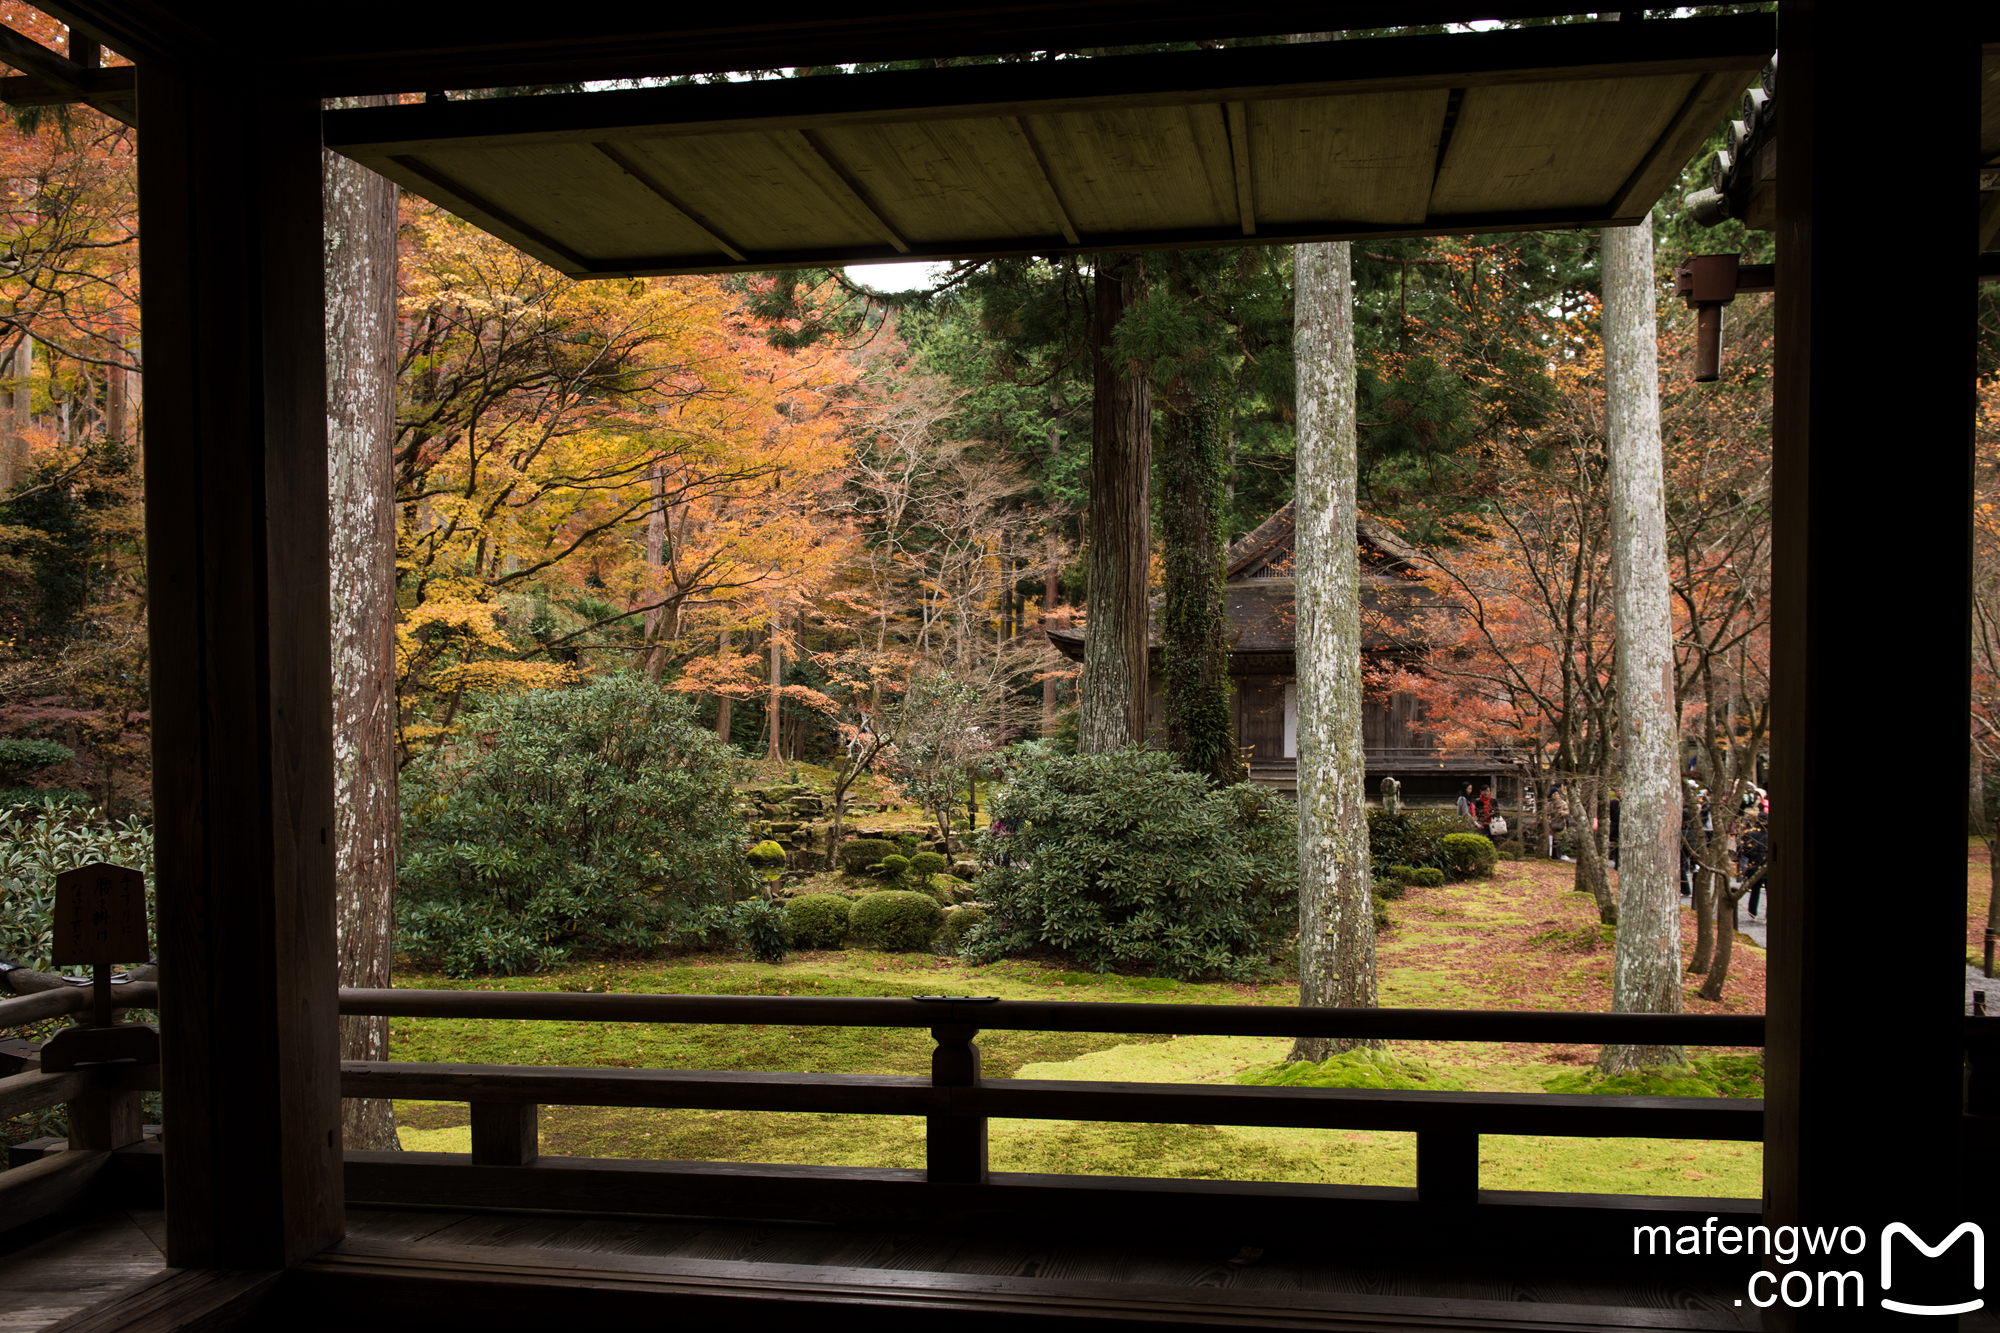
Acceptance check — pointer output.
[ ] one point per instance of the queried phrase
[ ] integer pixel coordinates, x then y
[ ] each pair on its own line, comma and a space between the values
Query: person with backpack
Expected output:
1753, 853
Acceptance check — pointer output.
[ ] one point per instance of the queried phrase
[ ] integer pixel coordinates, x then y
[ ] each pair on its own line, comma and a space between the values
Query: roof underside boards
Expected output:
1576, 125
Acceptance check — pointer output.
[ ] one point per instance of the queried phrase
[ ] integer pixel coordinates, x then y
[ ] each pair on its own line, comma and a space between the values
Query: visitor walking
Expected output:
1753, 853
1558, 818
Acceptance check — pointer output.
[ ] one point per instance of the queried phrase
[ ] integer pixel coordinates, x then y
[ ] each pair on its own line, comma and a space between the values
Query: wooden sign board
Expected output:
100, 916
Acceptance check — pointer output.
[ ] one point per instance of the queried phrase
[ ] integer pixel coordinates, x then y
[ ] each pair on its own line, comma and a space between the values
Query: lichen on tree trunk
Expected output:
1112, 687
1194, 629
1646, 972
360, 249
1336, 909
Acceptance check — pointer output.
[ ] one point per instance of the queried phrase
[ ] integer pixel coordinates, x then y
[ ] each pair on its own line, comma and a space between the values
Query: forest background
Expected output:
791, 498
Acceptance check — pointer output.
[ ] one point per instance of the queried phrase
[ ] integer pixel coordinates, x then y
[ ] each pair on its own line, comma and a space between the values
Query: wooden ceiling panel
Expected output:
760, 192
1579, 125
1553, 145
1366, 159
571, 191
1126, 171
947, 180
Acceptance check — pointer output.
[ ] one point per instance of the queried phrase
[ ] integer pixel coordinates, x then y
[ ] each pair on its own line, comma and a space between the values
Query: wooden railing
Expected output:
957, 1103
102, 1104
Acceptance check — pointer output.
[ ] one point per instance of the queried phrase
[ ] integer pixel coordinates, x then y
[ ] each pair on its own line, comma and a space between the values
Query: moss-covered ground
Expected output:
1521, 940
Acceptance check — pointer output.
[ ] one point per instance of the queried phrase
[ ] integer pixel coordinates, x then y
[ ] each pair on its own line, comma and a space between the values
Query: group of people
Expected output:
1482, 810
1748, 845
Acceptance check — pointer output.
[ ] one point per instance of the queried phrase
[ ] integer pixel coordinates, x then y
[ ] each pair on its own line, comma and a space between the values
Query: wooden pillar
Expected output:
236, 516
1859, 436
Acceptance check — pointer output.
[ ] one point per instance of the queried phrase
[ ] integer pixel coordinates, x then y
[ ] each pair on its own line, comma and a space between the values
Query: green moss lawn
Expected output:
1521, 940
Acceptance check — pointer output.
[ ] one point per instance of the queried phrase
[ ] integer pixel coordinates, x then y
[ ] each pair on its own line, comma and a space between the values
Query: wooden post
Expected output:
505, 1133
1447, 1166
236, 519
955, 1146
1836, 408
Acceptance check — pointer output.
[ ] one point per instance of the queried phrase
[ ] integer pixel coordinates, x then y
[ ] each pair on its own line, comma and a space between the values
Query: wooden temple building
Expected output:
1260, 589
1880, 1101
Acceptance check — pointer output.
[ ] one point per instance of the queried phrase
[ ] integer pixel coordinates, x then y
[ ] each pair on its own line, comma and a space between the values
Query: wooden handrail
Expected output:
1230, 1020
37, 1006
1560, 1116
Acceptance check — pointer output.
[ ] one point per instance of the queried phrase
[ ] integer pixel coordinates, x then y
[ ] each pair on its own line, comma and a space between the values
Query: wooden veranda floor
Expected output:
45, 1277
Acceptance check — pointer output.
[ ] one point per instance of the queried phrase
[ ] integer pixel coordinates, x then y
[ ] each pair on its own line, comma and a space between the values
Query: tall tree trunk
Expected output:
1592, 875
1113, 684
1646, 975
1336, 911
722, 701
656, 557
777, 684
1050, 591
1194, 630
14, 447
360, 243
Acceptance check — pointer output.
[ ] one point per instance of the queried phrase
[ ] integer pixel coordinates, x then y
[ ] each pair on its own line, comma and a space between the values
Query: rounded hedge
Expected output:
818, 920
926, 864
857, 856
897, 920
1427, 877
956, 922
1469, 855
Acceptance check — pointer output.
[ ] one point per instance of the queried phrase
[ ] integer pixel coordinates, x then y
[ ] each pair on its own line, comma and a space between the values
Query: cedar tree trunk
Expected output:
360, 239
1194, 630
1646, 974
1336, 911
1112, 688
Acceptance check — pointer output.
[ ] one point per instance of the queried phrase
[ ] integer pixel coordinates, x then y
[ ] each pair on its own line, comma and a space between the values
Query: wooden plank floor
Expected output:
53, 1268
1137, 1261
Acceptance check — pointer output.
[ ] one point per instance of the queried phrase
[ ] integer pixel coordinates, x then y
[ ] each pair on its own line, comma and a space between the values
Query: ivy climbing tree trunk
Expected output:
1112, 687
1336, 909
360, 244
1194, 629
1646, 972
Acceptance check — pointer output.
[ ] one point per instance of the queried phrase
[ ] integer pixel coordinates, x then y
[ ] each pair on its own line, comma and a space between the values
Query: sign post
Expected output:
100, 920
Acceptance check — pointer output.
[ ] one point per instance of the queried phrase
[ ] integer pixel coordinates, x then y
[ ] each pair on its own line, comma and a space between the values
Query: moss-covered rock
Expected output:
766, 855
859, 854
1359, 1068
1703, 1076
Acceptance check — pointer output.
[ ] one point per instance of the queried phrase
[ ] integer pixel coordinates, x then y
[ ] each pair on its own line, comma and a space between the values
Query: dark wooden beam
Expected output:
694, 219
381, 47
1246, 1212
1835, 402
1389, 64
1240, 1020
1239, 155
1045, 184
236, 533
112, 91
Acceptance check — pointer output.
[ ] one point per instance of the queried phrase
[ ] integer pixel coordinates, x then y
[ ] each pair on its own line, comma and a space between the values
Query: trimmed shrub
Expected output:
1126, 862
1469, 855
594, 817
957, 922
925, 864
762, 924
22, 756
1427, 877
896, 920
862, 854
895, 867
44, 798
1381, 903
1393, 882
1411, 837
818, 920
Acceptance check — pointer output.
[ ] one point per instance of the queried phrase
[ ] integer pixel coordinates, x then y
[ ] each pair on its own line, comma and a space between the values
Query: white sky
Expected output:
891, 278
